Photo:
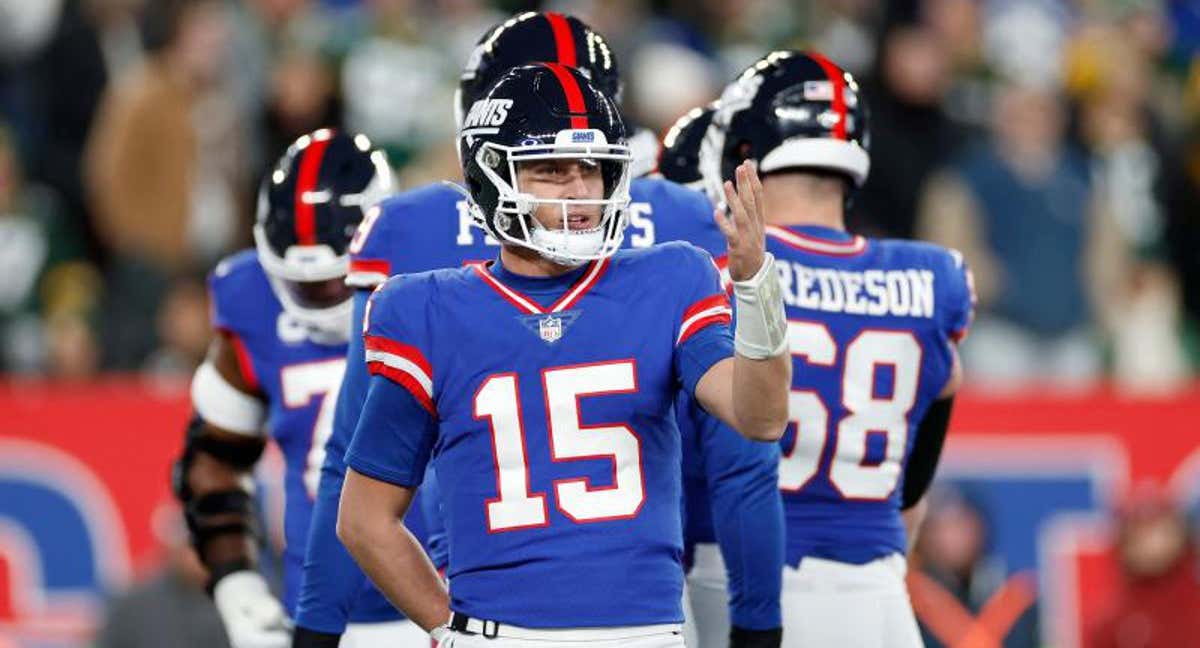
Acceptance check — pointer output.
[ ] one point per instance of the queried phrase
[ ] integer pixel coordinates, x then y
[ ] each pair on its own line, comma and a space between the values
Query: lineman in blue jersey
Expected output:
732, 511
873, 327
282, 314
556, 366
431, 227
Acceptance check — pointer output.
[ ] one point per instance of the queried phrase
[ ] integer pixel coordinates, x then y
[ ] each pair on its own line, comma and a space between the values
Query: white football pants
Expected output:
827, 603
706, 599
392, 634
668, 636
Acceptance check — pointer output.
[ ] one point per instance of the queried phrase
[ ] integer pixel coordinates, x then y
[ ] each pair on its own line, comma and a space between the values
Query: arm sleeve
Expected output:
747, 514
331, 580
926, 452
703, 336
396, 431
227, 308
395, 436
370, 249
961, 298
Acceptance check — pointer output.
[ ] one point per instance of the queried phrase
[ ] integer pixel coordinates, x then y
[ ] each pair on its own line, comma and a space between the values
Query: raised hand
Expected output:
744, 228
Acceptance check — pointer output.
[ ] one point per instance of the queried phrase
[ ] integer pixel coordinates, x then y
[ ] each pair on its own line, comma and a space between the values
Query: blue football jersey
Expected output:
299, 380
429, 228
871, 326
547, 404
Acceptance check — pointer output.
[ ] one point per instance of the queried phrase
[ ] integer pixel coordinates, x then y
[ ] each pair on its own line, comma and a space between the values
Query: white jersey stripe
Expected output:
405, 365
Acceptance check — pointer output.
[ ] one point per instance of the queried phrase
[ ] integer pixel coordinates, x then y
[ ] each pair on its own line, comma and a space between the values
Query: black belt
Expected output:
460, 622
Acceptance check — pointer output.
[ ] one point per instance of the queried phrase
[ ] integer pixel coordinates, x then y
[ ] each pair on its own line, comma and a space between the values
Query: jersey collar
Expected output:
512, 287
819, 240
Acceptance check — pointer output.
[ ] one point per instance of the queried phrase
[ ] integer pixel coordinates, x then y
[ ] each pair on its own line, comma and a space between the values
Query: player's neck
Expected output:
804, 199
527, 263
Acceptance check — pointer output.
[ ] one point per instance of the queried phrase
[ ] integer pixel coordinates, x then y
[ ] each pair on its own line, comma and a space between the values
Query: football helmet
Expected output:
308, 209
543, 112
534, 37
790, 109
679, 160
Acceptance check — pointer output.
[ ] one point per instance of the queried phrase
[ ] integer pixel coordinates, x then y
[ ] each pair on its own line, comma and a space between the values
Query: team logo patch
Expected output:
550, 327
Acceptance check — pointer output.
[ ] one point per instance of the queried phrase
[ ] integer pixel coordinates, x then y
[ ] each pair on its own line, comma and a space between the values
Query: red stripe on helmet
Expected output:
310, 170
575, 103
564, 42
838, 79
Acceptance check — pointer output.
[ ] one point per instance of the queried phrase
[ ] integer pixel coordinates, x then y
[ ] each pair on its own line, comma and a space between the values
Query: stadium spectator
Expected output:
169, 609
911, 134
1159, 588
394, 68
1110, 75
1022, 208
34, 239
93, 42
164, 169
962, 596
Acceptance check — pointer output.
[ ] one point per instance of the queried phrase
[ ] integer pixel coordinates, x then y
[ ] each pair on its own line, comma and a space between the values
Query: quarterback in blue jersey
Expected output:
873, 328
282, 315
431, 227
557, 366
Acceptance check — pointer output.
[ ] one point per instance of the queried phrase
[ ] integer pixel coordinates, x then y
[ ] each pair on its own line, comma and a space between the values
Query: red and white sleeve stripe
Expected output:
368, 273
704, 313
404, 365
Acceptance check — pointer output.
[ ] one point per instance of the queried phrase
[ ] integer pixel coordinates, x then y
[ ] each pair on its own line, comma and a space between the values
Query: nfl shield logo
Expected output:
550, 328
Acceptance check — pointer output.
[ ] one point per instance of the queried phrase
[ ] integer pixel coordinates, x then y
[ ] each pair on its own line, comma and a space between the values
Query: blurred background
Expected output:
1056, 143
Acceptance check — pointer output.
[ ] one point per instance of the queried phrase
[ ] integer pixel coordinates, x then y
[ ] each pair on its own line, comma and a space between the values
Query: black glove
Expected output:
743, 638
305, 638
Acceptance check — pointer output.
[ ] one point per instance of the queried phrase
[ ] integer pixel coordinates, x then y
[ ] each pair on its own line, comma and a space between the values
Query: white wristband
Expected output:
439, 633
761, 328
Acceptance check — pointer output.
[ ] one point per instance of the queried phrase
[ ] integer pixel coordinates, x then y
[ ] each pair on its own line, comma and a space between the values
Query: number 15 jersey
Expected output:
870, 325
547, 404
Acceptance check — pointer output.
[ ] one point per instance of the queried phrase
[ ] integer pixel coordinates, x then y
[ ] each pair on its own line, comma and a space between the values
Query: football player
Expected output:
557, 365
728, 514
431, 227
873, 327
281, 313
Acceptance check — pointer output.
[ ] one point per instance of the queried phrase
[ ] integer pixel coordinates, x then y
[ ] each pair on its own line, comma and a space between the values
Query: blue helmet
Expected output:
534, 37
679, 160
791, 110
536, 112
309, 206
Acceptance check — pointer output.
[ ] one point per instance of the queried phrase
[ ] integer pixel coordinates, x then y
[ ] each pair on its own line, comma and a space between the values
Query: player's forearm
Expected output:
370, 525
760, 396
913, 518
748, 521
393, 559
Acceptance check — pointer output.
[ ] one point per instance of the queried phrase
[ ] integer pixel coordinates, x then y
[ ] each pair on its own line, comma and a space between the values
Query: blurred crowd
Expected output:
1053, 142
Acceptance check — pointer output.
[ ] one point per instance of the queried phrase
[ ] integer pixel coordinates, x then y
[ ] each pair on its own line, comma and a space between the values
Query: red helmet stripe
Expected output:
570, 86
838, 79
310, 170
564, 42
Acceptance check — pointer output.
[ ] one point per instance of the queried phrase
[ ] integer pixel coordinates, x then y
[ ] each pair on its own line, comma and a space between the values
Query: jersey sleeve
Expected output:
961, 297
702, 327
331, 581
747, 515
230, 300
398, 425
370, 252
